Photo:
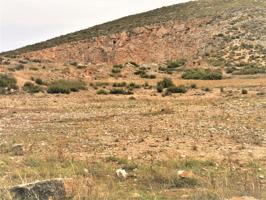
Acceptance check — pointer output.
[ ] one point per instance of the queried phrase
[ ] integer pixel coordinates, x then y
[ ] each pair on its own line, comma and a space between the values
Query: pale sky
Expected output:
24, 22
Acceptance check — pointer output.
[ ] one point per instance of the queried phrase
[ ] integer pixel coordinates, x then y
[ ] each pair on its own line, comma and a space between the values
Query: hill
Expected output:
216, 32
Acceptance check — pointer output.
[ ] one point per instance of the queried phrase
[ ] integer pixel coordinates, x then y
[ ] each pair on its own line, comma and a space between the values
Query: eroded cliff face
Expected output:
154, 43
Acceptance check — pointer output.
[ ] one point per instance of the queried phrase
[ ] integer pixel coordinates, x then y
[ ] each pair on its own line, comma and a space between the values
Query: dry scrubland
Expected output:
120, 108
218, 136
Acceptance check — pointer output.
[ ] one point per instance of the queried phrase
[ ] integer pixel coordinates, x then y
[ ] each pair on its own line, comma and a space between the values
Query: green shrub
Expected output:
36, 60
167, 70
159, 88
176, 63
8, 82
134, 64
19, 67
120, 91
122, 84
140, 72
230, 70
74, 63
120, 66
185, 182
116, 70
103, 92
132, 86
56, 89
148, 76
206, 89
34, 68
177, 89
202, 74
39, 81
165, 83
66, 86
31, 88
101, 84
250, 70
244, 91
193, 85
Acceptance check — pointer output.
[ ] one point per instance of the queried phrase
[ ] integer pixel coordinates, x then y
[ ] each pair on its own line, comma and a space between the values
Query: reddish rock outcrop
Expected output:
153, 43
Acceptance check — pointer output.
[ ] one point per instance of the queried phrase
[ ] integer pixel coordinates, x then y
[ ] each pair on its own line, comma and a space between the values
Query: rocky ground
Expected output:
83, 136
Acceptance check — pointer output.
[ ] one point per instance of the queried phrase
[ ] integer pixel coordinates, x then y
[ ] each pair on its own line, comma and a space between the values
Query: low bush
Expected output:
206, 89
7, 82
193, 86
34, 68
230, 70
66, 86
167, 70
116, 70
148, 76
134, 64
250, 70
120, 91
39, 81
165, 83
103, 92
31, 88
19, 67
119, 66
202, 74
176, 63
244, 91
122, 84
132, 86
177, 89
140, 72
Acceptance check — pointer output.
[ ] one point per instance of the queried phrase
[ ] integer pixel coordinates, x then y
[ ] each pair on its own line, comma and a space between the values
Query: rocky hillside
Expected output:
226, 33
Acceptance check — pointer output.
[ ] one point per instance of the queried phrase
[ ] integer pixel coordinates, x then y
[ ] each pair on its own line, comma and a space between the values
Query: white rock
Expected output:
121, 173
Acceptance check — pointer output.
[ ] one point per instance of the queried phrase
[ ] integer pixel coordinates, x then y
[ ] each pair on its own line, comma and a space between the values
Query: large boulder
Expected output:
41, 190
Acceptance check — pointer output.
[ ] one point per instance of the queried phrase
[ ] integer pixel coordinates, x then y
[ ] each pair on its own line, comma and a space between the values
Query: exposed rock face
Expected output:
206, 33
43, 190
153, 43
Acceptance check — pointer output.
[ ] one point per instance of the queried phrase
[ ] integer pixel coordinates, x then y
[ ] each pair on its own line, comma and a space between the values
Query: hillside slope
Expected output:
229, 33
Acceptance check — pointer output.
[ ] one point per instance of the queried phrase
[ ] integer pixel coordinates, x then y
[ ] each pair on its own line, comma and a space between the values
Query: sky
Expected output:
24, 22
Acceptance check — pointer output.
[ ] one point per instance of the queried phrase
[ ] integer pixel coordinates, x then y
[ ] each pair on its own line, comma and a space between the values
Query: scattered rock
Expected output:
261, 176
243, 198
17, 150
183, 156
136, 195
41, 190
184, 174
184, 196
121, 173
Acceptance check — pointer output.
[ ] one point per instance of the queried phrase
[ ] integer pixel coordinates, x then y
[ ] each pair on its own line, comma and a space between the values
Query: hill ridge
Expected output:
183, 11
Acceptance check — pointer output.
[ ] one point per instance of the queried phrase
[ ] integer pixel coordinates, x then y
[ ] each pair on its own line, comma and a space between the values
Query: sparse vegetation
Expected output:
177, 89
244, 91
165, 83
120, 91
66, 86
176, 63
134, 64
193, 85
103, 92
31, 88
202, 74
19, 67
116, 70
207, 144
39, 81
7, 83
122, 84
